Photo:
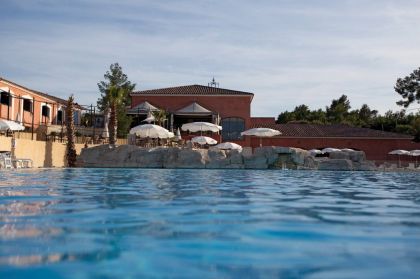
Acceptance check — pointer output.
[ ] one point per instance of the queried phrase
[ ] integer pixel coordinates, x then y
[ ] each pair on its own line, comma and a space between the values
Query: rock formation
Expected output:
268, 157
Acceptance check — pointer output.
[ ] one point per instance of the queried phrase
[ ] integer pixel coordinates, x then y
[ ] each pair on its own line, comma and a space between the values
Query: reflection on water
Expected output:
215, 223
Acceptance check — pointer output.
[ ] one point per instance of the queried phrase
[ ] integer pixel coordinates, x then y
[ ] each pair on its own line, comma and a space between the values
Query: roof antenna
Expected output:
213, 83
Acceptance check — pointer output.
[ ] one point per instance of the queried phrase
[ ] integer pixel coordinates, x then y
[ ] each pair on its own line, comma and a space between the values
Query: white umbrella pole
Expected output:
260, 141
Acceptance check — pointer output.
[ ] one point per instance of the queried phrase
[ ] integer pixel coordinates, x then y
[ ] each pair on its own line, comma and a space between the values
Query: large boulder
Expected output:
171, 157
217, 159
336, 164
339, 155
255, 162
192, 158
298, 156
152, 158
357, 156
282, 149
269, 152
310, 163
235, 157
364, 166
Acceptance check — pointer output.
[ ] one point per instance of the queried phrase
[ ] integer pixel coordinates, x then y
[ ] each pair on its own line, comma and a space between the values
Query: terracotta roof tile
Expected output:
335, 130
191, 90
53, 98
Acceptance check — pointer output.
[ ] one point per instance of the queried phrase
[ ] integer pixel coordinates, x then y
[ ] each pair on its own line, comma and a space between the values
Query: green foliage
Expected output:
404, 129
338, 110
124, 122
302, 113
160, 117
115, 77
119, 98
409, 88
416, 128
339, 113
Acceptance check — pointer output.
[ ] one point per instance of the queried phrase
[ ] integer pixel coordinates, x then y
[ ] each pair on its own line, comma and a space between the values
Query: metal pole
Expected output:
94, 117
33, 114
53, 107
91, 116
8, 105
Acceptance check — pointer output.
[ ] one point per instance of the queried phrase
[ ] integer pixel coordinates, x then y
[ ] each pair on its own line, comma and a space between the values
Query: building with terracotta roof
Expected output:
184, 104
30, 107
232, 110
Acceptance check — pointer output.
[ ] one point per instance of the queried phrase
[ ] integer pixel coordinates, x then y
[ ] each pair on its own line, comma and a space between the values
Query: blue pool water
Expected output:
148, 223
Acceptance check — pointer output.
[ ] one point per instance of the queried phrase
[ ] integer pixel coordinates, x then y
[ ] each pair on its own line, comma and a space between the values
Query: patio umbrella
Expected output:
261, 133
330, 149
10, 125
399, 152
6, 125
347, 149
203, 140
315, 152
151, 131
201, 126
178, 135
229, 146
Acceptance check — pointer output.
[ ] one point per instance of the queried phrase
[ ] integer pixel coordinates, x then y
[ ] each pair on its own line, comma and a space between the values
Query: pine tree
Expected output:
409, 88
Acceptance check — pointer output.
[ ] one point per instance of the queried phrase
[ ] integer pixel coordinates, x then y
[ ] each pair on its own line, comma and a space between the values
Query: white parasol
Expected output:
204, 140
330, 149
399, 152
10, 125
151, 131
229, 146
201, 126
178, 135
261, 133
315, 152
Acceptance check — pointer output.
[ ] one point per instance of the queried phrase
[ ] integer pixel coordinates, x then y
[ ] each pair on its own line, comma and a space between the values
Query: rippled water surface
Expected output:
142, 223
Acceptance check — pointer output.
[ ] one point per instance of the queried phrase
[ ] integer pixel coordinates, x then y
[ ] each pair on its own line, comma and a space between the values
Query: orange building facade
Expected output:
31, 108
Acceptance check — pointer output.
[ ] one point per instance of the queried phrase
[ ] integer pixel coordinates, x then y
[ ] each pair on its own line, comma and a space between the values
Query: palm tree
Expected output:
115, 97
160, 116
70, 148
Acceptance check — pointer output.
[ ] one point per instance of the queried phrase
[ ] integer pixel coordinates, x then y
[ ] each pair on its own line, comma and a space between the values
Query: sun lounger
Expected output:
5, 162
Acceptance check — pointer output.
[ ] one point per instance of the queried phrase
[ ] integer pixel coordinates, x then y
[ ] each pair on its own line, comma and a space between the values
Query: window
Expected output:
232, 128
5, 99
60, 116
45, 111
76, 117
27, 105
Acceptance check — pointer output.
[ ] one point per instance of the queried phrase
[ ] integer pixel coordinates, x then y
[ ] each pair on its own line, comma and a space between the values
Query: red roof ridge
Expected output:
329, 130
57, 99
194, 89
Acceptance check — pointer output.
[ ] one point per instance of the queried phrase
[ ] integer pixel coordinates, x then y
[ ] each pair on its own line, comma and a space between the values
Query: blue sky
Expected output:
286, 52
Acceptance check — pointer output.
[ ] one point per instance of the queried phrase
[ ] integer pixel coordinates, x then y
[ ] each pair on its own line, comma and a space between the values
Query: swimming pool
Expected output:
142, 223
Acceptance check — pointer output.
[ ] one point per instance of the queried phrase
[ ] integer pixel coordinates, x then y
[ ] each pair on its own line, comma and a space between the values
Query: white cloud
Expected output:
288, 53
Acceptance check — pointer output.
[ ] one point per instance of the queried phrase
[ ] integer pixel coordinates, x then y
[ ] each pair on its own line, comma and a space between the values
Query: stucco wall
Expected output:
43, 154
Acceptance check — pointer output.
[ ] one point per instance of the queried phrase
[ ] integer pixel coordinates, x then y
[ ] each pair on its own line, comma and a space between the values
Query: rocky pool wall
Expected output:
268, 157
